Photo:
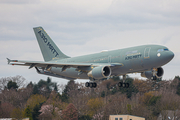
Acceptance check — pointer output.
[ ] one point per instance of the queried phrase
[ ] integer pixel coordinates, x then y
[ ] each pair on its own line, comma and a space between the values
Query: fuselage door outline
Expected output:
147, 52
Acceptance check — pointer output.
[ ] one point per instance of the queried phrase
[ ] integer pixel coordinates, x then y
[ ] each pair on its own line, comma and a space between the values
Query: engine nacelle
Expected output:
100, 72
149, 74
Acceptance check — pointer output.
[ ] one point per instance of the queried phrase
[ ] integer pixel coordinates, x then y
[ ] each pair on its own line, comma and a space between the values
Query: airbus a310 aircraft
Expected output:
145, 59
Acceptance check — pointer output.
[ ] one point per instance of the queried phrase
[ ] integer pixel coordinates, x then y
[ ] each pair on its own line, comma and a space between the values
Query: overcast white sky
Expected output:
81, 27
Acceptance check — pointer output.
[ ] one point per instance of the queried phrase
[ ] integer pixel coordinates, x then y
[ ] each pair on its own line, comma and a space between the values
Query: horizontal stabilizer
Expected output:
9, 61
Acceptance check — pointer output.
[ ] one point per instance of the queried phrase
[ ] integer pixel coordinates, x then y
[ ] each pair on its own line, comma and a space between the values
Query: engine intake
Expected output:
149, 74
100, 72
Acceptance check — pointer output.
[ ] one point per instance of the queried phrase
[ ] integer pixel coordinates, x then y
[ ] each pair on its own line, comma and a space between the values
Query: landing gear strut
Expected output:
154, 71
91, 84
154, 78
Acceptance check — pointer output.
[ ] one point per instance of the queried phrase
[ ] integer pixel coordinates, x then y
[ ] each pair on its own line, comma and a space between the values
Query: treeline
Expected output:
47, 100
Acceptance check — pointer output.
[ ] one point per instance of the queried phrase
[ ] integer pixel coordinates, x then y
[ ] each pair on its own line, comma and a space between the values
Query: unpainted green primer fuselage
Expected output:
134, 59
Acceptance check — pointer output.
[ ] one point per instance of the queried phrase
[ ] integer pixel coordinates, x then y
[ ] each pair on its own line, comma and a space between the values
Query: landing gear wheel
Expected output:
120, 84
91, 85
94, 85
127, 85
87, 84
124, 85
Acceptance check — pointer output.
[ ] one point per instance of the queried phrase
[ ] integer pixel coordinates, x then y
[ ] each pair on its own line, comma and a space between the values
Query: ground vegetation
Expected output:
47, 100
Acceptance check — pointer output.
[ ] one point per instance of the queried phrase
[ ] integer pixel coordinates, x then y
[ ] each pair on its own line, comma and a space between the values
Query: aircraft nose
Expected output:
170, 55
165, 57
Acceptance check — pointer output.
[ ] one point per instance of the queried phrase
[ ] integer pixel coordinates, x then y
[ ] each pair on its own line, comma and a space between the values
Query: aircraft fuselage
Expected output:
134, 59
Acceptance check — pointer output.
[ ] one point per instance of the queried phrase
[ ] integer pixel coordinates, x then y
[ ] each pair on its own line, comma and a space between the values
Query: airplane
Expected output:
145, 59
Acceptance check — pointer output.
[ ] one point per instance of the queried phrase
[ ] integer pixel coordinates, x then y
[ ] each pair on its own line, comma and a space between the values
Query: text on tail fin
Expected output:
48, 47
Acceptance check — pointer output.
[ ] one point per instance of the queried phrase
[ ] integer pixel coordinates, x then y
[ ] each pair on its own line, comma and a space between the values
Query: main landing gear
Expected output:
91, 84
124, 85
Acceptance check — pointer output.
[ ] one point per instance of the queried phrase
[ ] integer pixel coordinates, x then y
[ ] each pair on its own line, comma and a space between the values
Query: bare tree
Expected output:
169, 101
5, 109
14, 97
21, 81
70, 113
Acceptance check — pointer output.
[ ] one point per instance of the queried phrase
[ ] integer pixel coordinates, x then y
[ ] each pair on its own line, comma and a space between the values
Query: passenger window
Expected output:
116, 118
120, 118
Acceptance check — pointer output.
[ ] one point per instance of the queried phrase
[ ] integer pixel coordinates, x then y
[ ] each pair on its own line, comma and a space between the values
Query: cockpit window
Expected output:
160, 50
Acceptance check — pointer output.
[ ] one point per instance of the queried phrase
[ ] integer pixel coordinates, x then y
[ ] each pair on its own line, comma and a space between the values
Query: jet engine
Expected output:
153, 74
100, 72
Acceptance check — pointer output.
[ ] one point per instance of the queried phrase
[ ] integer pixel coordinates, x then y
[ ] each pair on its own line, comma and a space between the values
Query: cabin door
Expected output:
147, 53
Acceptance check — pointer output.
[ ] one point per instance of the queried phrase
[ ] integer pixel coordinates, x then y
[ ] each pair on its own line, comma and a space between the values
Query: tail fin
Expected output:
48, 48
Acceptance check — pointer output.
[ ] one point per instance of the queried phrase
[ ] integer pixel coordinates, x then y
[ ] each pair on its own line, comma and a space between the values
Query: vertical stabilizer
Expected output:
48, 48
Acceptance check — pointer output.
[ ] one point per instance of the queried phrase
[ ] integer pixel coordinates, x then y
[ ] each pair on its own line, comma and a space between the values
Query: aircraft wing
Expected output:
50, 64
